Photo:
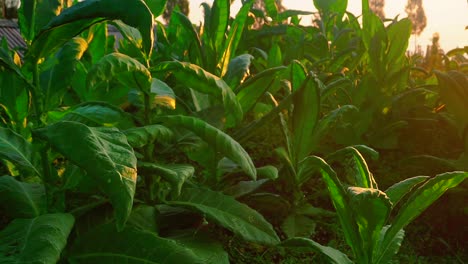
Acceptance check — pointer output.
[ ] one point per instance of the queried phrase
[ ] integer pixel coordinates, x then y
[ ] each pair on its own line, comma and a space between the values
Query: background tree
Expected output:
415, 11
377, 6
183, 6
10, 8
260, 5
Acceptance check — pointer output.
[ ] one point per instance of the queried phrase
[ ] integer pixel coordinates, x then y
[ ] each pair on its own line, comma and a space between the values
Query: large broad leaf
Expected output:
57, 80
193, 76
271, 8
204, 246
217, 140
355, 166
19, 151
144, 218
400, 189
163, 94
298, 74
182, 34
157, 7
33, 15
305, 117
14, 90
175, 174
454, 93
422, 198
398, 36
298, 225
117, 67
98, 41
105, 245
254, 88
243, 188
331, 6
393, 247
141, 136
219, 22
238, 70
21, 199
37, 240
371, 209
229, 213
333, 255
340, 201
72, 21
98, 114
234, 36
105, 155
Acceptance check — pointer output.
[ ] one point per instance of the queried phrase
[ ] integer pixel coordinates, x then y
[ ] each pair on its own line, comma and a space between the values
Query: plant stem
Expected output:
37, 95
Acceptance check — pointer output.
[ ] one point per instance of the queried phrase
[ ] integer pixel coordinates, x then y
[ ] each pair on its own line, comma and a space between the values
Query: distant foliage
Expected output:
378, 7
415, 11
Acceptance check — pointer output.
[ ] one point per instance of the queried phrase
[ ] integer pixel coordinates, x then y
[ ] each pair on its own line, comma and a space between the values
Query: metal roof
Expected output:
10, 30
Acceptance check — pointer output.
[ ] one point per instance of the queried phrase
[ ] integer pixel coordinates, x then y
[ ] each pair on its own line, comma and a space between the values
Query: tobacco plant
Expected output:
73, 150
371, 222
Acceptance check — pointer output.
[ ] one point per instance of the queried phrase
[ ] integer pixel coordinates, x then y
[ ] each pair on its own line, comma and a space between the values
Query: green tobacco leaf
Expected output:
393, 247
453, 91
305, 117
209, 250
72, 21
306, 169
19, 151
298, 75
193, 76
163, 94
117, 67
216, 139
330, 121
243, 188
37, 240
105, 155
419, 200
400, 189
398, 36
21, 199
371, 209
271, 8
238, 70
141, 136
157, 7
291, 13
334, 256
182, 32
331, 6
355, 165
14, 99
235, 34
268, 172
298, 225
254, 88
175, 174
98, 41
340, 201
219, 22
229, 213
57, 80
105, 244
33, 15
143, 217
97, 114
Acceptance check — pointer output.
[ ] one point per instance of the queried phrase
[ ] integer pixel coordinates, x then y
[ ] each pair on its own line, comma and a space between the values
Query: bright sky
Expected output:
449, 17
